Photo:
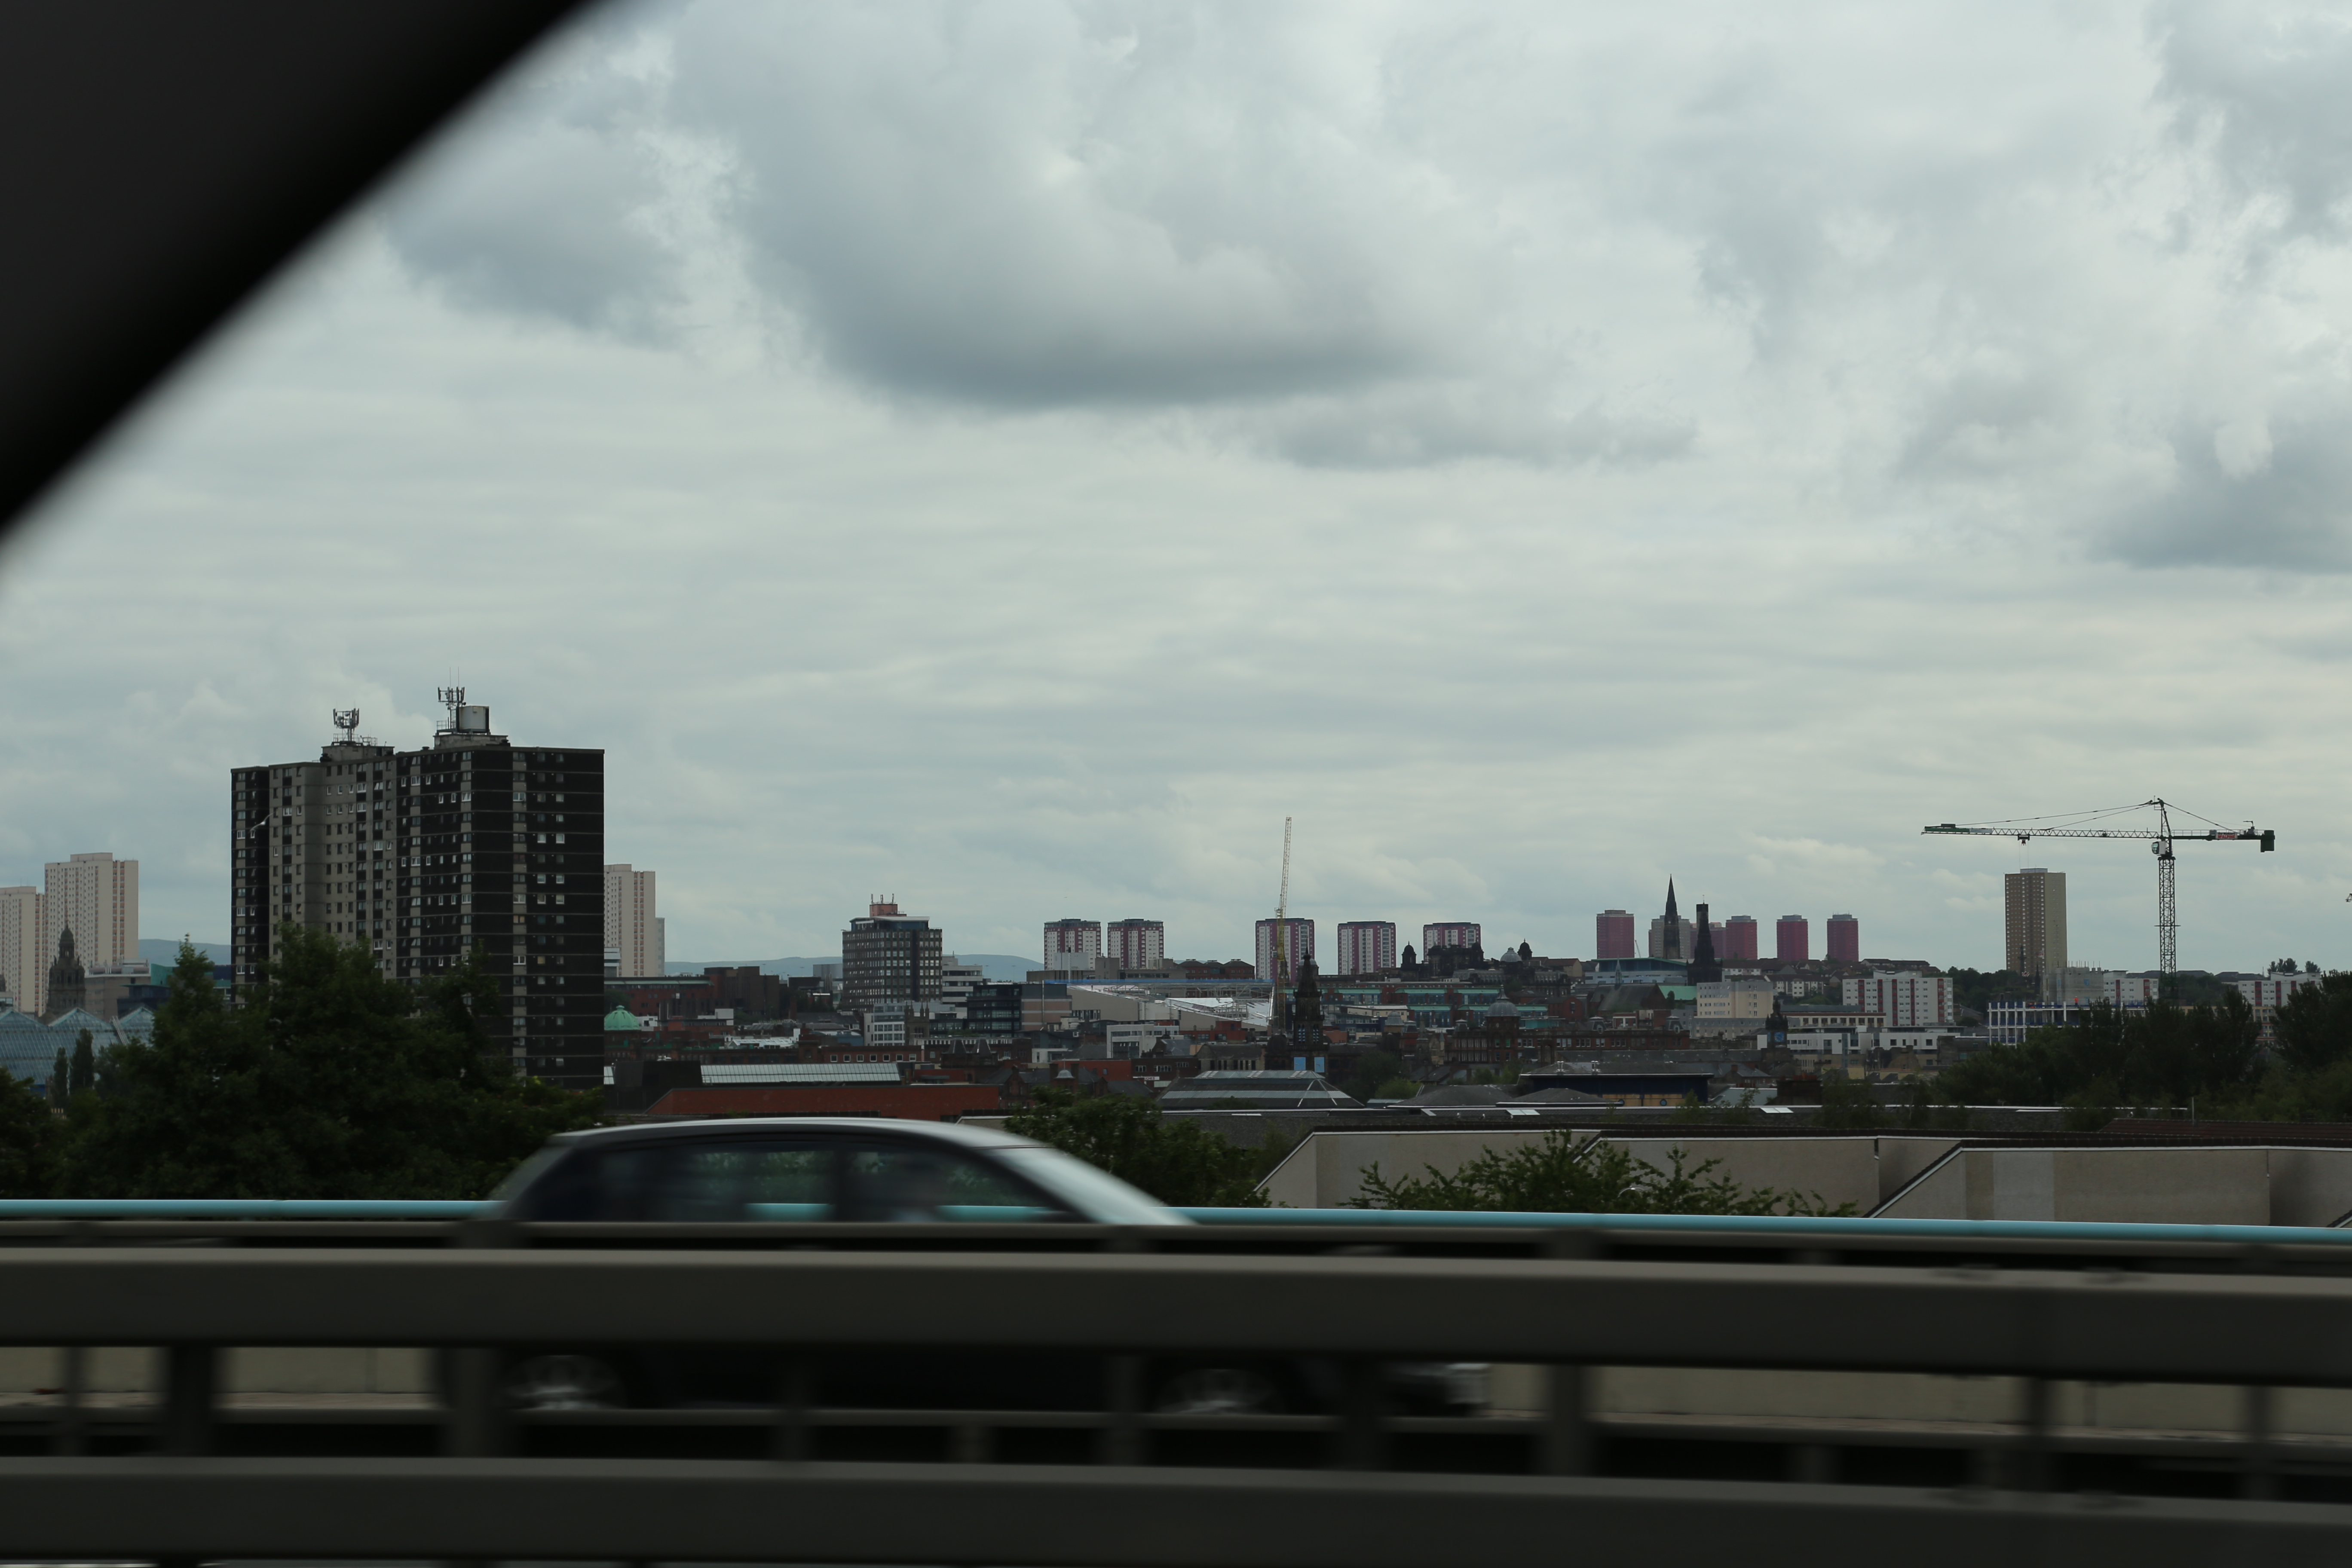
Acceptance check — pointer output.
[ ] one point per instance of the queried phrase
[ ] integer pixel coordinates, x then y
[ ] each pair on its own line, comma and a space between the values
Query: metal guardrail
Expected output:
241, 1208
197, 1476
1792, 1226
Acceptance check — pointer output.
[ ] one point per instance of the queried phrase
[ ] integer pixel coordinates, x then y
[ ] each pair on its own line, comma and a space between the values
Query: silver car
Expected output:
853, 1169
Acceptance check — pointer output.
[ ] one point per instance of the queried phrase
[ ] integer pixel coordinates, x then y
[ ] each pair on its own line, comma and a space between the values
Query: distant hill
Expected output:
166, 951
997, 967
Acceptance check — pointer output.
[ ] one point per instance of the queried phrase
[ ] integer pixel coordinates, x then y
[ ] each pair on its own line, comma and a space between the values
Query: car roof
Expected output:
953, 1132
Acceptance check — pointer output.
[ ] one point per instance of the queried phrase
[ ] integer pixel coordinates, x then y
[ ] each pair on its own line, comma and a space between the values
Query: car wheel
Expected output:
564, 1382
1220, 1391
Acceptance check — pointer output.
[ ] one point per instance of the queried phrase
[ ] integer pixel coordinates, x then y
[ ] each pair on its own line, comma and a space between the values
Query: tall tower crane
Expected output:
1274, 1019
2081, 825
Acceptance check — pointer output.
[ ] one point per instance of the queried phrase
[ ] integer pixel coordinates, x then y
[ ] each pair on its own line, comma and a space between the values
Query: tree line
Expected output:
2205, 1056
328, 1081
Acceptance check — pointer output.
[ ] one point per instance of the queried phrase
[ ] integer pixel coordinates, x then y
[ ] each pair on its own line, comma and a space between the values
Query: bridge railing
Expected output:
1348, 1478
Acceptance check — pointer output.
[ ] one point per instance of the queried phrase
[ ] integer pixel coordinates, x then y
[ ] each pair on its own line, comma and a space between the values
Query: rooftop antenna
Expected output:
453, 698
347, 719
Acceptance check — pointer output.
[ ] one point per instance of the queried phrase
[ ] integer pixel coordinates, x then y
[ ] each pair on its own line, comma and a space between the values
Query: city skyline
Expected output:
1895, 446
1092, 932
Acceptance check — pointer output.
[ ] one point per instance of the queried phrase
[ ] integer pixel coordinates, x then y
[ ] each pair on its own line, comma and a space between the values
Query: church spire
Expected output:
1670, 901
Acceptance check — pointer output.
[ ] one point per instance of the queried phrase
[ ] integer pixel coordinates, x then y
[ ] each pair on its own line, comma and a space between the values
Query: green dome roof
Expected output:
621, 1018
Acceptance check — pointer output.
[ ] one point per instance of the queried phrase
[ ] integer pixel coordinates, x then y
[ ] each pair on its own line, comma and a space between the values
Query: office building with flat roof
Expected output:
887, 955
1073, 943
1736, 945
1793, 938
1462, 935
1612, 934
2033, 920
636, 941
1366, 947
1844, 939
1299, 947
1136, 943
470, 844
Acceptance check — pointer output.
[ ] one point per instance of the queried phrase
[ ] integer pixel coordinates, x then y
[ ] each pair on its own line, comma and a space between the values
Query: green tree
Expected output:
2166, 1054
30, 1133
1182, 1163
1364, 1076
1560, 1174
2314, 1024
84, 1071
1847, 1102
330, 1082
1974, 989
60, 1079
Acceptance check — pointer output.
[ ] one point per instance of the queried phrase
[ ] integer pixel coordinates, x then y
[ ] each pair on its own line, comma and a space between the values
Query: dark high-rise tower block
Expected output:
472, 844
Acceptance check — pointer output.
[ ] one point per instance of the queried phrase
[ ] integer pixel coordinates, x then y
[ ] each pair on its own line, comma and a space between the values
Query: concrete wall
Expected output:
1860, 1168
2170, 1186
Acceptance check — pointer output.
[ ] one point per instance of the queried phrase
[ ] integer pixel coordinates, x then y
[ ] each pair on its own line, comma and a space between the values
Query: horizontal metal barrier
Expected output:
1120, 1480
2216, 1328
241, 1208
1125, 1517
1762, 1226
1787, 1225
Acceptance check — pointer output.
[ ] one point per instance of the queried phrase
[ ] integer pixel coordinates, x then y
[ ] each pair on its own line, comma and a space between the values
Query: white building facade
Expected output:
23, 969
1903, 998
1073, 943
633, 928
1450, 934
1739, 996
1136, 943
97, 898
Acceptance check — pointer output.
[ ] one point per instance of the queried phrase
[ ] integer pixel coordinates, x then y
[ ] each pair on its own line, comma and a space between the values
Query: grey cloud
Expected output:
1022, 206
2293, 511
2270, 92
1042, 205
1413, 426
546, 215
1982, 418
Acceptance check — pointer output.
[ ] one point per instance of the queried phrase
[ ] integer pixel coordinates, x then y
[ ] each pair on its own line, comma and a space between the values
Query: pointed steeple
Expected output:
67, 988
1670, 901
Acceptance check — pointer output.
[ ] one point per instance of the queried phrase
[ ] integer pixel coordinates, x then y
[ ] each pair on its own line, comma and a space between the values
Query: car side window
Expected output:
687, 1182
750, 1182
891, 1183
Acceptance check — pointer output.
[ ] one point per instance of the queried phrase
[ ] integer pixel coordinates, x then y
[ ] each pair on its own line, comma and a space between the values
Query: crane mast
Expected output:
2078, 825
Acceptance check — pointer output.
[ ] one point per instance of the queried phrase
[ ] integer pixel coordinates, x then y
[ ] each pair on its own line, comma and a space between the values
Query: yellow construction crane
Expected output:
2080, 825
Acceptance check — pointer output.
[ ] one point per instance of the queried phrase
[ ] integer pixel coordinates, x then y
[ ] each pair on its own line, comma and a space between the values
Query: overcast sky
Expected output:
1009, 455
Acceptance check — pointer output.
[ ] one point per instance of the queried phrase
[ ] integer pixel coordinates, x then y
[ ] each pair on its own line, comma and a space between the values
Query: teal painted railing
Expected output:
1768, 1224
239, 1208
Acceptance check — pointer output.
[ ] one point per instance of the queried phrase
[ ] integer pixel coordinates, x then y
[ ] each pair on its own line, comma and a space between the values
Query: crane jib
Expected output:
2163, 838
